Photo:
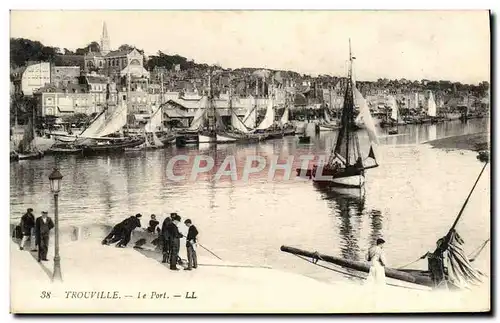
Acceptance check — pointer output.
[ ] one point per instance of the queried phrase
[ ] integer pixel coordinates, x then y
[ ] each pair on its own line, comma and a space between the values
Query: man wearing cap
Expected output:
43, 225
27, 225
166, 240
175, 235
376, 257
128, 226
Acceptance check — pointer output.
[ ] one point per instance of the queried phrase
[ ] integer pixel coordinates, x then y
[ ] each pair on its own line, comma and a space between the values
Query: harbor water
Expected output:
410, 200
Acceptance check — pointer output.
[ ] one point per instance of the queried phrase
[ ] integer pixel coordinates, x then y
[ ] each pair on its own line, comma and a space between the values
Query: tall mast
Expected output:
350, 107
33, 125
128, 96
161, 91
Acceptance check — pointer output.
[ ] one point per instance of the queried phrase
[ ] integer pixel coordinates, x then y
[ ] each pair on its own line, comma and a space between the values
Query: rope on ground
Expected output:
317, 257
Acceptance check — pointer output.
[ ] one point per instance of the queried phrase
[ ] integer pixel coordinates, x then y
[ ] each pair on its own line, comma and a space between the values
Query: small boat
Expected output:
30, 155
27, 148
304, 139
64, 149
112, 145
327, 127
167, 138
185, 140
393, 131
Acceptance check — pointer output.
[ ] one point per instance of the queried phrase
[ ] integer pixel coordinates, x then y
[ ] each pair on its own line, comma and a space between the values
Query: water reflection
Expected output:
348, 205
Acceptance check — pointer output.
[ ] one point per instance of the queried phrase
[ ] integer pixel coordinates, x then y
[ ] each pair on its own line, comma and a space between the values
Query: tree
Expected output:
126, 47
93, 46
24, 50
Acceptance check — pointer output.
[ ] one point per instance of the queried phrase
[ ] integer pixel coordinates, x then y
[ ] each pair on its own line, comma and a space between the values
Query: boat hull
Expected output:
351, 177
112, 147
204, 139
29, 156
304, 139
415, 277
224, 138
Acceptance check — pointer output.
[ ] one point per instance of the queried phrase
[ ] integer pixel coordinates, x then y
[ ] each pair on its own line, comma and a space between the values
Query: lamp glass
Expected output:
55, 181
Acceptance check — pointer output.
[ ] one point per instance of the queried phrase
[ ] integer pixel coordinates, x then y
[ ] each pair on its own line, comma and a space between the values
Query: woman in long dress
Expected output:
376, 257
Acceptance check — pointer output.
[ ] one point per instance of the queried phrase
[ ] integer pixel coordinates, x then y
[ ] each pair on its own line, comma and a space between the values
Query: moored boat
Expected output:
111, 145
346, 166
64, 149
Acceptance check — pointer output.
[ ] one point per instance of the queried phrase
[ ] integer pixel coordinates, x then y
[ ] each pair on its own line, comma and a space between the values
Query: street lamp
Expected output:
55, 186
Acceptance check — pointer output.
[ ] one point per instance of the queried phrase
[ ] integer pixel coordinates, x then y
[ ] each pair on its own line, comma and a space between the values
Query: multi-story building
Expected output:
64, 75
67, 100
34, 77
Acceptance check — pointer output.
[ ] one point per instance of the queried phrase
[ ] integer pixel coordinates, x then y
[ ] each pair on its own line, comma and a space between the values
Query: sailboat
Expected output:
287, 128
240, 132
328, 124
431, 109
156, 138
395, 120
267, 126
449, 255
105, 132
27, 148
346, 166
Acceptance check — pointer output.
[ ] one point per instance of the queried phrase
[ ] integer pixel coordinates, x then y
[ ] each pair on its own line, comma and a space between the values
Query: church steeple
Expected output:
105, 47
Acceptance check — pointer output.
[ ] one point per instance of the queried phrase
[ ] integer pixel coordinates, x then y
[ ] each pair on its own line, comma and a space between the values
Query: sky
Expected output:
435, 45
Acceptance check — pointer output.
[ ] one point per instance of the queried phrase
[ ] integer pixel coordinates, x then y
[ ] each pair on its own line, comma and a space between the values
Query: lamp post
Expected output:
55, 186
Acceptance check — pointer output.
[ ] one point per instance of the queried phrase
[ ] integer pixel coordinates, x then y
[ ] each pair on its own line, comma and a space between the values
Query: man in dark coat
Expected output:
191, 245
119, 230
27, 224
166, 239
129, 225
175, 236
43, 225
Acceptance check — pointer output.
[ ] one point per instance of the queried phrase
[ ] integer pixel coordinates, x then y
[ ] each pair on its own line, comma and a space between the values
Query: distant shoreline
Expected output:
474, 142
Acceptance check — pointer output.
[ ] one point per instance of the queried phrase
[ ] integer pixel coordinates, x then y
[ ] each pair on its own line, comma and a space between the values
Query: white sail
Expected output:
269, 117
199, 116
238, 124
95, 125
284, 117
251, 115
115, 122
394, 107
110, 121
365, 116
327, 117
157, 141
431, 106
155, 122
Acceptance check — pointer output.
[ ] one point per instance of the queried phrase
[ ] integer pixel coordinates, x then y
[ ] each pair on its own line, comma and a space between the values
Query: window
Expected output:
100, 63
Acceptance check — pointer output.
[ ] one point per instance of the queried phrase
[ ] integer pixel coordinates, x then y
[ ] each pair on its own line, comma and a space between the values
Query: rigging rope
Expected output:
476, 252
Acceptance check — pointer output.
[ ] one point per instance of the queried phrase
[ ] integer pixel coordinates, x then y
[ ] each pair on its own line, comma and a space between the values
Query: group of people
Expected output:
122, 232
168, 237
41, 227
